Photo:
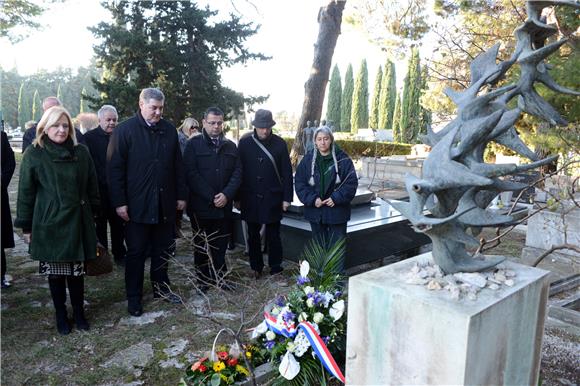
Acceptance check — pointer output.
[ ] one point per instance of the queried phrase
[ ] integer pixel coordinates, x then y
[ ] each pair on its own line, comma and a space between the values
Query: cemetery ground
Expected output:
156, 348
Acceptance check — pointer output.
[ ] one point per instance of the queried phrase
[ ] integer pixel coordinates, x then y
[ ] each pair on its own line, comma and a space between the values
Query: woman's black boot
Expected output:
76, 288
57, 285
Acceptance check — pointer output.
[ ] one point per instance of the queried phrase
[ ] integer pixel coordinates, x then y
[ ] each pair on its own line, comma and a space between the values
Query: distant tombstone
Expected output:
528, 178
307, 139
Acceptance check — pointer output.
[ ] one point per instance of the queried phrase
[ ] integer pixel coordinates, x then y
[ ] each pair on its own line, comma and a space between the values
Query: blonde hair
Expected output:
49, 118
188, 124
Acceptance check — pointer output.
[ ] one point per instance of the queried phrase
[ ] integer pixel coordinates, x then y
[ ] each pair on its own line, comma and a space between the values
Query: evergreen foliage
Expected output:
346, 101
388, 97
397, 119
411, 114
334, 99
360, 99
23, 107
36, 106
172, 46
375, 101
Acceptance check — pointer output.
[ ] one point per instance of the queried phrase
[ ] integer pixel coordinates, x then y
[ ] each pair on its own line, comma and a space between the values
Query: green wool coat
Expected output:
57, 193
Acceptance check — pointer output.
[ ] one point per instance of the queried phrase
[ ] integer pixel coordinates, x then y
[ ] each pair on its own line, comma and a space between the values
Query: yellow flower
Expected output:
248, 354
242, 370
218, 366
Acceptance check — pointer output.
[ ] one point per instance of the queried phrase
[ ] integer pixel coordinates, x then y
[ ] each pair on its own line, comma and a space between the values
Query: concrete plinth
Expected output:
404, 334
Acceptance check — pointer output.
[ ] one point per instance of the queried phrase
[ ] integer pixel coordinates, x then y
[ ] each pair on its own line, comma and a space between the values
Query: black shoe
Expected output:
135, 308
62, 323
81, 322
169, 297
276, 270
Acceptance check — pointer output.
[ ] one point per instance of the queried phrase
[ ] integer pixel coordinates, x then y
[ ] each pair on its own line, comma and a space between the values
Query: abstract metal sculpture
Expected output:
455, 172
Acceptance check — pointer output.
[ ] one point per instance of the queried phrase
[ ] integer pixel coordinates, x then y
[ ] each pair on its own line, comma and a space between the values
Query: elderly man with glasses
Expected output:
213, 173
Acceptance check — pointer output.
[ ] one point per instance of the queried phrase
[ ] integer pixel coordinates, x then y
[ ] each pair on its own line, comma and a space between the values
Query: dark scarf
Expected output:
325, 164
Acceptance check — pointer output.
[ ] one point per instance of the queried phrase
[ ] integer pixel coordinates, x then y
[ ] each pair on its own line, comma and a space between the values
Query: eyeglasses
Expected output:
215, 123
195, 128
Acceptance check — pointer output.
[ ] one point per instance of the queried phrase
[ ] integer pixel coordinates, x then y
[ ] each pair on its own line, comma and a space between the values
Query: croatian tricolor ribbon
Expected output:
289, 331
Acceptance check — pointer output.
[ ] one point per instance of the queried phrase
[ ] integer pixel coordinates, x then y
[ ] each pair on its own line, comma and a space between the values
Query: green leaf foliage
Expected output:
360, 100
388, 97
375, 101
334, 99
346, 102
170, 45
397, 119
358, 149
410, 123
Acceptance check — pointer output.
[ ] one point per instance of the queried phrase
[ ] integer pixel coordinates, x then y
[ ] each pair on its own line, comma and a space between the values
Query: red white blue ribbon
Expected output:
318, 345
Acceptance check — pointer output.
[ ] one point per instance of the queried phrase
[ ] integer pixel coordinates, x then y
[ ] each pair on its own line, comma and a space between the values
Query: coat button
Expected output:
82, 202
161, 189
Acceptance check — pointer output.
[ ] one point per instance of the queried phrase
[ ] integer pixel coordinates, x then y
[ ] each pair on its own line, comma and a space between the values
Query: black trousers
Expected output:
145, 240
109, 215
210, 238
273, 242
329, 234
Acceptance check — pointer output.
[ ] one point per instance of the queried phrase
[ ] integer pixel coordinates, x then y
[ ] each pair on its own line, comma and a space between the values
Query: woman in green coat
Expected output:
57, 188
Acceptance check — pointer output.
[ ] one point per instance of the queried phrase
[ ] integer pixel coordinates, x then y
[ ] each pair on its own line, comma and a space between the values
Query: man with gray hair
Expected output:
30, 134
97, 142
146, 186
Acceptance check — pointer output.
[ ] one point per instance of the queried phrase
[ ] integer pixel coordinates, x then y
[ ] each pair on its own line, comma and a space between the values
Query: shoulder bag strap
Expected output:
270, 157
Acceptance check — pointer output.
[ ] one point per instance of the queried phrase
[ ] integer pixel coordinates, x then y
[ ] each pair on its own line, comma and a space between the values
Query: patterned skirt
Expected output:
68, 269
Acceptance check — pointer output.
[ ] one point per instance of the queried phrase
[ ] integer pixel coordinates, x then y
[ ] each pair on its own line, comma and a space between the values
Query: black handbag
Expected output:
102, 265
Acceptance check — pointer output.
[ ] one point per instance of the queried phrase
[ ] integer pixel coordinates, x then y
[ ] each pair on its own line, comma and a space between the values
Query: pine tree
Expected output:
360, 100
397, 119
170, 45
346, 101
410, 123
374, 113
388, 97
36, 107
334, 99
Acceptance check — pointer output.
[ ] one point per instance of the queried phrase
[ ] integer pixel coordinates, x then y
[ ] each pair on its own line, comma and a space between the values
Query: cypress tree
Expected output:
388, 97
36, 107
21, 118
59, 93
374, 113
83, 104
360, 100
346, 101
334, 99
410, 123
397, 119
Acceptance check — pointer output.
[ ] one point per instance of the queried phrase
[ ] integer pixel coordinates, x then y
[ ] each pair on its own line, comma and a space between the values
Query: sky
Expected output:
288, 33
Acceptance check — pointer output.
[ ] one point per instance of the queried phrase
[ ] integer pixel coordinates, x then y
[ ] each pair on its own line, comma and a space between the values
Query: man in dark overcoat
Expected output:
266, 191
213, 173
97, 141
146, 185
8, 166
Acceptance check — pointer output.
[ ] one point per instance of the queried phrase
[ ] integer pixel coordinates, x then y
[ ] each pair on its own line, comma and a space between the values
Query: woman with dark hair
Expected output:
326, 183
57, 196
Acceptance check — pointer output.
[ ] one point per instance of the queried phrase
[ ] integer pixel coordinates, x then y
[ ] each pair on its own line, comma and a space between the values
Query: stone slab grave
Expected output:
375, 231
404, 333
547, 229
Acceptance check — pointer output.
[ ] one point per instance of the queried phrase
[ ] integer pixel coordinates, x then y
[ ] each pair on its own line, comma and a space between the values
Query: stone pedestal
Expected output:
404, 334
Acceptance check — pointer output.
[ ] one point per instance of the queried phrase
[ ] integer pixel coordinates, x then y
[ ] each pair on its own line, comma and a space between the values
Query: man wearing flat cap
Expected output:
266, 190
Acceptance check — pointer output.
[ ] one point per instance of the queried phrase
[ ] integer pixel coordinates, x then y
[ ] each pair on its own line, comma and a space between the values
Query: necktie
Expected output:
215, 141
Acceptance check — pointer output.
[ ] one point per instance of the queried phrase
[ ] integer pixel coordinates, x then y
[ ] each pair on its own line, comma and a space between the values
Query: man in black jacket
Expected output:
213, 173
266, 191
97, 141
146, 185
30, 134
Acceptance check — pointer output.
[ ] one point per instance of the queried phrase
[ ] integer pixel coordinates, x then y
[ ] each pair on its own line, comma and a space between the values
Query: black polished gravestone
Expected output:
375, 231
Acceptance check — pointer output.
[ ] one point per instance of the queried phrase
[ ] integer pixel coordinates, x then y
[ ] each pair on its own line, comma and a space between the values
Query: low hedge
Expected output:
359, 149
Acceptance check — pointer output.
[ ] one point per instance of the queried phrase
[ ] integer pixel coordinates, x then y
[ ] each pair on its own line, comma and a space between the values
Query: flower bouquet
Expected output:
223, 366
304, 332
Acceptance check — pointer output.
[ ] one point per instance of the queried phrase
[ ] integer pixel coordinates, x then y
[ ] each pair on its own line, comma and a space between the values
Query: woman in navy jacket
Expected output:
326, 183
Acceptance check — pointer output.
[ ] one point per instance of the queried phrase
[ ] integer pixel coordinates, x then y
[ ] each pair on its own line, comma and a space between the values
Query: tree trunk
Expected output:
329, 19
